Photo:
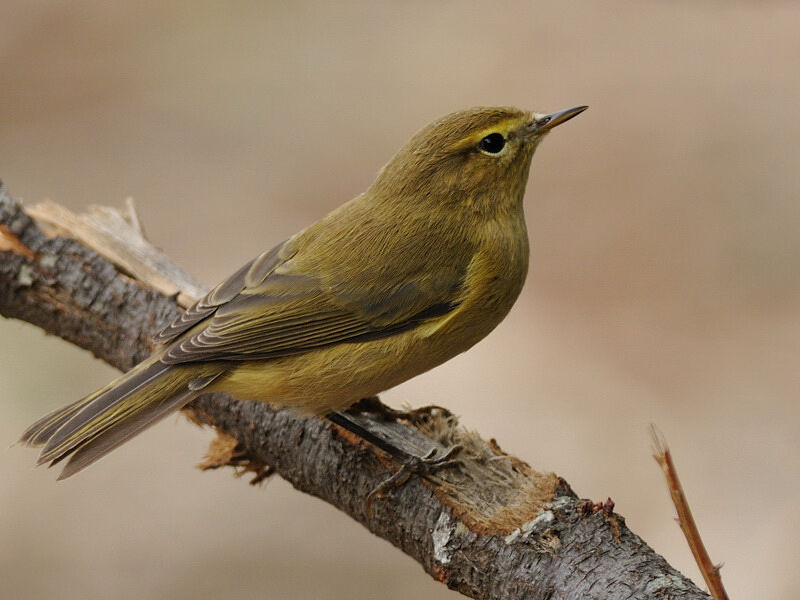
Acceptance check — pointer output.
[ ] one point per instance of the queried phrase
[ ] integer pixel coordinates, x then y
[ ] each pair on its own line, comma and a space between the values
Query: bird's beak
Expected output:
544, 123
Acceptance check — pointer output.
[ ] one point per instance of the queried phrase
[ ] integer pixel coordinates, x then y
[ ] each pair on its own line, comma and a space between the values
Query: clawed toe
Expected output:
422, 466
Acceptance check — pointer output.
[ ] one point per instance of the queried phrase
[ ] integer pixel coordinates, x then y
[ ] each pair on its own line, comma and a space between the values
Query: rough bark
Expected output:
489, 527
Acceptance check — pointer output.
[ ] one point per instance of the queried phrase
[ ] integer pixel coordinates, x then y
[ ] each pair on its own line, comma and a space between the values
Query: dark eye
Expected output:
492, 143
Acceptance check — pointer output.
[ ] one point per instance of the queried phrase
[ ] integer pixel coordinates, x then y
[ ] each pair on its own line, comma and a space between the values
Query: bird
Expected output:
413, 271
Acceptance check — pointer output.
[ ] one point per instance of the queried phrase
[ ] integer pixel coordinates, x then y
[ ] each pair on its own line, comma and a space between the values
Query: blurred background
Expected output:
664, 287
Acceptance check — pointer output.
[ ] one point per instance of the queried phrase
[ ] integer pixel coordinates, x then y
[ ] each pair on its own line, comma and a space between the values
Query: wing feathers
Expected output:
275, 306
251, 274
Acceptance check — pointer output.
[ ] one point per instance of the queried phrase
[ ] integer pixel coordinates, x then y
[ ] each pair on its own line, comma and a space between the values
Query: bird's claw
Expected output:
416, 465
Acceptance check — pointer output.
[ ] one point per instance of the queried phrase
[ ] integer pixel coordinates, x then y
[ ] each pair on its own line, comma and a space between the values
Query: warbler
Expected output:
415, 270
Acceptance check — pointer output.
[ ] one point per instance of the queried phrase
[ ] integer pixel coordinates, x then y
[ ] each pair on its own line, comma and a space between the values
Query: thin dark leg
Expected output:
342, 420
373, 405
410, 463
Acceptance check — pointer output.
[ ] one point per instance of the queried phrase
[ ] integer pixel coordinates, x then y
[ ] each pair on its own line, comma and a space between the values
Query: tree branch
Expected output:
490, 527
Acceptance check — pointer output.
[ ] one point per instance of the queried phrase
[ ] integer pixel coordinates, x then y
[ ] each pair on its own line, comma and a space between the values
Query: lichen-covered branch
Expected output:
489, 527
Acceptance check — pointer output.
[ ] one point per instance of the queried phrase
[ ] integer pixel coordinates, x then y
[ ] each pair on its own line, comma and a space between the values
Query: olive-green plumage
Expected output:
410, 273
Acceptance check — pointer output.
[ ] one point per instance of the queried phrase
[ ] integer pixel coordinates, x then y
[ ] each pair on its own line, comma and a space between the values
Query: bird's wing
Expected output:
250, 274
270, 309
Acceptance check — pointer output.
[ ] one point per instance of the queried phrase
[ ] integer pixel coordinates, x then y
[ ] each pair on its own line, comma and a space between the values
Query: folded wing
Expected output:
270, 308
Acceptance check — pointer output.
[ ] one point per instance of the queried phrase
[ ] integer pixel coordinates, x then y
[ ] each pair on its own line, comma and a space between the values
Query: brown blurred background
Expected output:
665, 281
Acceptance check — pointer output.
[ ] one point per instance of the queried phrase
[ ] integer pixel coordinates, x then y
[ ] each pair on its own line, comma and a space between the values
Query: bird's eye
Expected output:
492, 143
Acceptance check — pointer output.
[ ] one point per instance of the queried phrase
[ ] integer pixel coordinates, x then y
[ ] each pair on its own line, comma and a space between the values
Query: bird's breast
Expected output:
492, 283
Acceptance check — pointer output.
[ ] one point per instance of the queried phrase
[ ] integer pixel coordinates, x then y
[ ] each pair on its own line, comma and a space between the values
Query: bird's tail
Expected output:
93, 426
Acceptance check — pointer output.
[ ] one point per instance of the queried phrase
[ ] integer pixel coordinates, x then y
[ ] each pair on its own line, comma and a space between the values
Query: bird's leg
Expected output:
342, 420
373, 405
411, 464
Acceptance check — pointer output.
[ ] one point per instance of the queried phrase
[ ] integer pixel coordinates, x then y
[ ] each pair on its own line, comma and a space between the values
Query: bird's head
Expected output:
478, 157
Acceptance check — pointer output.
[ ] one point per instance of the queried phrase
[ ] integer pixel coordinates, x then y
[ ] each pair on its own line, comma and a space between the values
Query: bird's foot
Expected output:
424, 466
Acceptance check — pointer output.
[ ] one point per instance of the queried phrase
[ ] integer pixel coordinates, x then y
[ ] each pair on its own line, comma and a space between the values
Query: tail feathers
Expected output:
50, 428
118, 434
114, 403
41, 431
93, 426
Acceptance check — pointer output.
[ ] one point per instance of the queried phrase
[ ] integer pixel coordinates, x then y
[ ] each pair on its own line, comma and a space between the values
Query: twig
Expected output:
119, 238
709, 570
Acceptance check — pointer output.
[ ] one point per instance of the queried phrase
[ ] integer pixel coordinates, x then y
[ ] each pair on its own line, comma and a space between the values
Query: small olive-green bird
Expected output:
396, 281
